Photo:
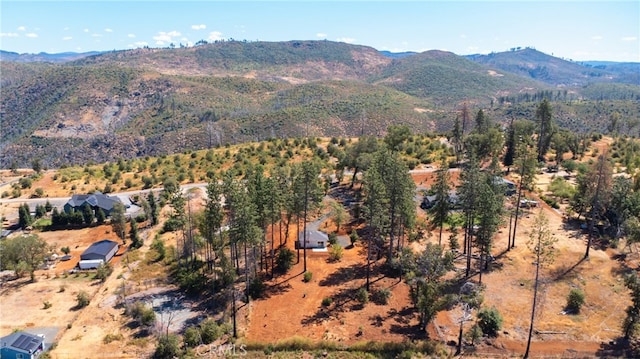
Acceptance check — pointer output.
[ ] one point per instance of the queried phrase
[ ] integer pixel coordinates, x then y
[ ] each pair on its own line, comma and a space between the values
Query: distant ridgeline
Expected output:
75, 108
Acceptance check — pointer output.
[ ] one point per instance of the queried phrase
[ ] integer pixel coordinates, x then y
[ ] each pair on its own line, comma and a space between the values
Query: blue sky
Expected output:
577, 30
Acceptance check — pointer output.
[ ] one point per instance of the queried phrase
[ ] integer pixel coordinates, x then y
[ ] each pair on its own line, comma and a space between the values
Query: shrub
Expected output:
284, 260
336, 252
83, 299
362, 296
353, 237
575, 300
326, 301
333, 238
112, 338
191, 337
168, 347
141, 313
381, 296
490, 321
256, 288
211, 331
307, 276
46, 304
104, 271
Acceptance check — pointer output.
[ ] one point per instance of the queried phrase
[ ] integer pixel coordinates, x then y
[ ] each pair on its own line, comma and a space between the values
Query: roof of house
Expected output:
97, 199
101, 248
314, 235
22, 342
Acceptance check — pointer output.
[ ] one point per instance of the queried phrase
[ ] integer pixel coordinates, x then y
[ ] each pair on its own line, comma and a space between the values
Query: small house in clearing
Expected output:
96, 200
98, 253
315, 239
21, 345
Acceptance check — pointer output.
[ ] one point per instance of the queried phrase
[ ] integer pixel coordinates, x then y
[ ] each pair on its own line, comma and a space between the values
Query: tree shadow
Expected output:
618, 348
564, 272
344, 275
340, 304
277, 289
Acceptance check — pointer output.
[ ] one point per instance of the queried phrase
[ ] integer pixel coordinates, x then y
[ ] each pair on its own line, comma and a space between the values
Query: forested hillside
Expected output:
158, 101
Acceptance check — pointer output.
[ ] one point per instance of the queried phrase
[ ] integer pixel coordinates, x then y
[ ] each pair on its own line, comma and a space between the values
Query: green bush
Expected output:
326, 301
362, 296
575, 300
168, 347
191, 337
256, 288
83, 299
307, 276
210, 331
381, 296
336, 252
353, 237
490, 321
333, 238
284, 260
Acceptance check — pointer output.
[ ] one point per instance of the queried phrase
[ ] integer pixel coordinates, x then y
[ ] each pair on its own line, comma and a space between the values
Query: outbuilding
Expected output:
21, 345
98, 253
315, 239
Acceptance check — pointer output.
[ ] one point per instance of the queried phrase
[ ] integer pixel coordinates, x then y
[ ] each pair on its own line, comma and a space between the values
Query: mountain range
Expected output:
73, 108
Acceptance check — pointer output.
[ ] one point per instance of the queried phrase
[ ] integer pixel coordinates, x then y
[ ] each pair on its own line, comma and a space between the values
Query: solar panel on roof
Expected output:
26, 343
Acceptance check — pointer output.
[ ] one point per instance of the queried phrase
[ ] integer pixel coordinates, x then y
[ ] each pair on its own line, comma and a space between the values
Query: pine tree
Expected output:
545, 128
440, 210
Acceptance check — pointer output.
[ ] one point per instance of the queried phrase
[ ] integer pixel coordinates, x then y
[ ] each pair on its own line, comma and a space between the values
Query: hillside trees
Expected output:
307, 192
24, 216
390, 179
426, 289
210, 224
546, 128
23, 254
440, 211
359, 155
119, 221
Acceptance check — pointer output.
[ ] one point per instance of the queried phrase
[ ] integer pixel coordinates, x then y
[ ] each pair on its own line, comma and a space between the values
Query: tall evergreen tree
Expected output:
119, 221
440, 211
136, 241
24, 216
308, 192
87, 214
399, 191
545, 128
510, 143
153, 207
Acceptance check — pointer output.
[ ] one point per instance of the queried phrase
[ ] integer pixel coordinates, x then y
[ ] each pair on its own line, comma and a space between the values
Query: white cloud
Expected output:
22, 28
96, 35
85, 30
9, 34
165, 37
32, 35
463, 36
139, 44
199, 27
629, 38
66, 28
597, 37
215, 36
67, 38
108, 30
321, 35
348, 40
131, 36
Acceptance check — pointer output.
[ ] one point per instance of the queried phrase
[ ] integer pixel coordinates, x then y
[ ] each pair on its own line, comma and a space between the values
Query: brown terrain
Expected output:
293, 308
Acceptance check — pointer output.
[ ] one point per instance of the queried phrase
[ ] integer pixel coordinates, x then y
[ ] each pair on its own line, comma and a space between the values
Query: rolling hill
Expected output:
157, 101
